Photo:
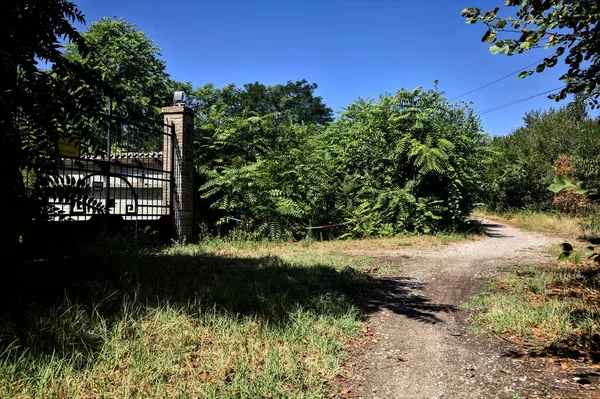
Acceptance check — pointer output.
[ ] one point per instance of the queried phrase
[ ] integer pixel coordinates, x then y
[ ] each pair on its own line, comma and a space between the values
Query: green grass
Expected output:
554, 306
184, 323
164, 351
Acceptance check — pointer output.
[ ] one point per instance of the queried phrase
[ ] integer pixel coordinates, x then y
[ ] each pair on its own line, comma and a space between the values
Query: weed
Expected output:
589, 222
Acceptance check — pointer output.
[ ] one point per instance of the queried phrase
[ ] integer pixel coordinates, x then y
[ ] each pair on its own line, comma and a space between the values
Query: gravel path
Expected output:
421, 347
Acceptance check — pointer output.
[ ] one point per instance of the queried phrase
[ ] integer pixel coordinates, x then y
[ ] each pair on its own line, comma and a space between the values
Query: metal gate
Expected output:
126, 171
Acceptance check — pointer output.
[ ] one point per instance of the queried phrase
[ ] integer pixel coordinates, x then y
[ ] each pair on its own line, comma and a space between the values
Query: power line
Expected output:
498, 80
499, 107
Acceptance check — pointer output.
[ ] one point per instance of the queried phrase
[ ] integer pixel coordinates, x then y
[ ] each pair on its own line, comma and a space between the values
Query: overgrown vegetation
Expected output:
525, 161
408, 162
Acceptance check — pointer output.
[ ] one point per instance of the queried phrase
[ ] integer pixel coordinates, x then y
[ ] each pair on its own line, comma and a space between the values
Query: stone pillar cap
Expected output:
177, 109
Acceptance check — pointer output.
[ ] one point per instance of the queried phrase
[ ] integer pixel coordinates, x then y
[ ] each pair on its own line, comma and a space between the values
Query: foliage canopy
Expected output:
295, 100
406, 162
568, 27
36, 106
129, 65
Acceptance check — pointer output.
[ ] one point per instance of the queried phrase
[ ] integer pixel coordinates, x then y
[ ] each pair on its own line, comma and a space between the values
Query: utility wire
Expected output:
499, 107
497, 80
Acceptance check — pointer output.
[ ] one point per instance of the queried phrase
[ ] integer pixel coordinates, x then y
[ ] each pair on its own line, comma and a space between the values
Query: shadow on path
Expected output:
494, 230
401, 295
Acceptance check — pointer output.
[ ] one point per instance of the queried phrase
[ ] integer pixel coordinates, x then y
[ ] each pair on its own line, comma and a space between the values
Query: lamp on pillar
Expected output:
179, 98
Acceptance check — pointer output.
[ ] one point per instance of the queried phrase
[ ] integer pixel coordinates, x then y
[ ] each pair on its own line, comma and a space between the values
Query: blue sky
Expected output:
349, 48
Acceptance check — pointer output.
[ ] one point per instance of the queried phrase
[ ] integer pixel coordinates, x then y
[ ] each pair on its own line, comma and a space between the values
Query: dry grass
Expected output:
553, 307
358, 253
552, 224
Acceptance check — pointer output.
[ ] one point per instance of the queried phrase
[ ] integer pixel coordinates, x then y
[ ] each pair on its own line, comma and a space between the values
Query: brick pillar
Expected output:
182, 207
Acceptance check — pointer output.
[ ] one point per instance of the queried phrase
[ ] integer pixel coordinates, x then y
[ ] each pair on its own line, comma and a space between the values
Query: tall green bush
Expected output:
405, 162
412, 159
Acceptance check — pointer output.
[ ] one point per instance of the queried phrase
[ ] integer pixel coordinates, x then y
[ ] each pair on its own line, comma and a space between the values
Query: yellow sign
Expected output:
69, 146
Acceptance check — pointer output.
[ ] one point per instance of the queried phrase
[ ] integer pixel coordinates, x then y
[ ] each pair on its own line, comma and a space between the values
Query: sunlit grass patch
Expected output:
337, 253
547, 223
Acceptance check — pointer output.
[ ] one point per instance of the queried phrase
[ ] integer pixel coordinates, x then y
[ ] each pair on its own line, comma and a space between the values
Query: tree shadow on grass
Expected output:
39, 301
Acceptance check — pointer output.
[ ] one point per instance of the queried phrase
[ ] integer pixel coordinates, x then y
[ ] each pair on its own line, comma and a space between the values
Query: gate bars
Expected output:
132, 178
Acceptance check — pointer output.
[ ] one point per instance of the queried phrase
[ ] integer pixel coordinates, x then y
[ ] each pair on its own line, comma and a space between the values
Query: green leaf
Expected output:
556, 188
564, 256
524, 74
495, 49
589, 252
551, 61
486, 35
568, 179
581, 191
558, 179
525, 46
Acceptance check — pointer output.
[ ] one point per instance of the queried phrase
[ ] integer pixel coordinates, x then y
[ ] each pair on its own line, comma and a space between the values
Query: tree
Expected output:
294, 100
411, 161
568, 27
129, 63
406, 162
34, 107
523, 166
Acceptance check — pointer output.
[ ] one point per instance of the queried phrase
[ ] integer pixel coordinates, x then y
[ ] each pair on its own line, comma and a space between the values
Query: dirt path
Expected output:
421, 347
